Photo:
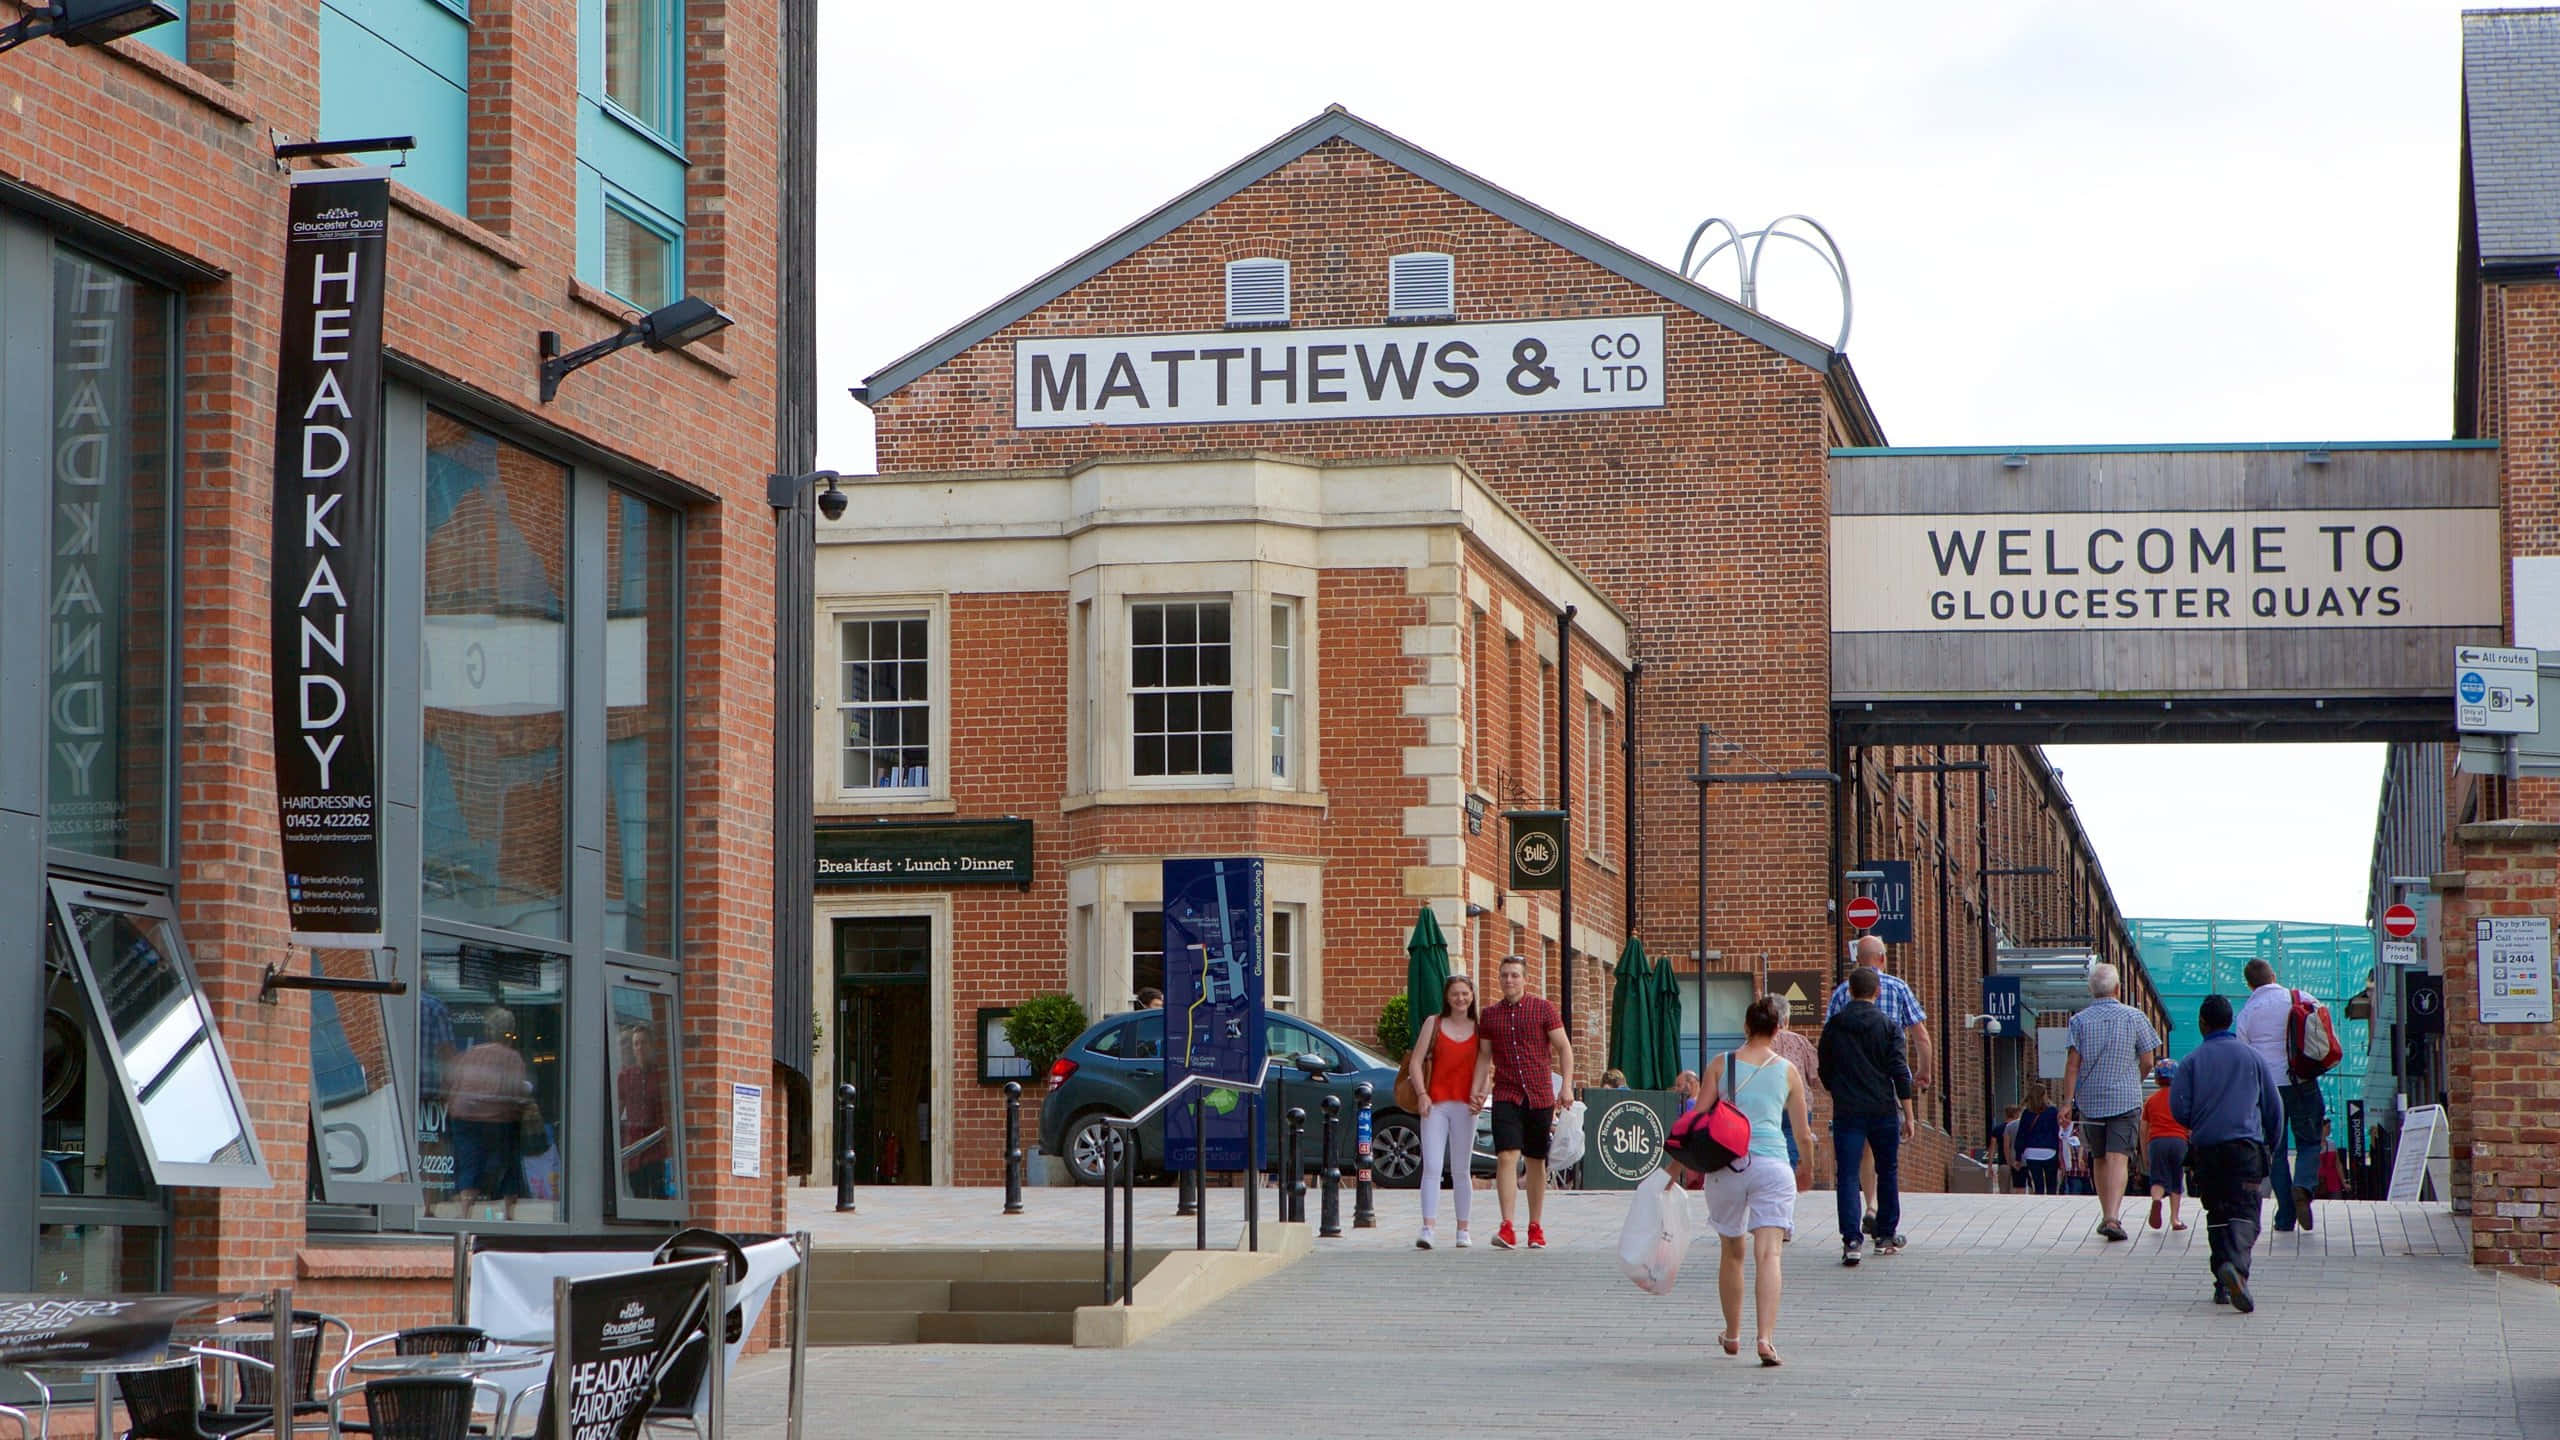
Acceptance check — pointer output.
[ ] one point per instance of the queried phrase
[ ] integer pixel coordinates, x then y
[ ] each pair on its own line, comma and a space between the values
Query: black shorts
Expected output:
1517, 1127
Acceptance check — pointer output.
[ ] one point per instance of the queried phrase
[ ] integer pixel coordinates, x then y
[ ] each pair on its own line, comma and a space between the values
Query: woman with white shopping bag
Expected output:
1755, 1194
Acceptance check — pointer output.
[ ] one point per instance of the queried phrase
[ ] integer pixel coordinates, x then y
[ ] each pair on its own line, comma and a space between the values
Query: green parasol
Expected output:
1426, 970
1667, 1005
1631, 1001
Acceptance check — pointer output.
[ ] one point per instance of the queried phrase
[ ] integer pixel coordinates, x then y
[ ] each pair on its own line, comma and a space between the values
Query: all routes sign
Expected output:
2494, 690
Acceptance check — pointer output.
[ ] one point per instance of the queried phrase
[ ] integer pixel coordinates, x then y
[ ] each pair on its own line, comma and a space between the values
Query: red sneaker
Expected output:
1504, 1239
1537, 1238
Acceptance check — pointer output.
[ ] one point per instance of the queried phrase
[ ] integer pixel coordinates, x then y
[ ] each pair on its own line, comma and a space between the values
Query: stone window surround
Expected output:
1117, 888
834, 797
1098, 727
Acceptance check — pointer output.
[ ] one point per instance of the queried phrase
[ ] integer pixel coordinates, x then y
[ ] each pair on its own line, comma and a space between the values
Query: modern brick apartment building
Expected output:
576, 640
1391, 420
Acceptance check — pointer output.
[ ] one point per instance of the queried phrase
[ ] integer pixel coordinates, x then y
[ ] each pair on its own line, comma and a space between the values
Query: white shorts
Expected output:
1759, 1196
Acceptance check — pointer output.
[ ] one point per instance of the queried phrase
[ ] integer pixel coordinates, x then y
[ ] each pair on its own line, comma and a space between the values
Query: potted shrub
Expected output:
1395, 1028
1040, 1029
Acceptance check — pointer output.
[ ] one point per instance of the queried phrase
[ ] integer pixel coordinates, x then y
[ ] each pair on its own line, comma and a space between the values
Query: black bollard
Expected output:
1364, 1204
1013, 1147
844, 1149
1332, 1173
1293, 1186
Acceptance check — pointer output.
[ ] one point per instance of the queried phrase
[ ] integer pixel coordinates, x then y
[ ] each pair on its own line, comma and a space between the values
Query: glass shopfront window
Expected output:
108, 751
493, 1044
641, 556
645, 1097
495, 670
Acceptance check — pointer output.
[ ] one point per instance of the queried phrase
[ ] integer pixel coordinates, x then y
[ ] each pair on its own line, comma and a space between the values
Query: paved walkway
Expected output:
2006, 1316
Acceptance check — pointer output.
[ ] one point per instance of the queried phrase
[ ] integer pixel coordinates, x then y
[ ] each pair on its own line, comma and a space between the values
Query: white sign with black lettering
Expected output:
2514, 957
2162, 570
1509, 368
2399, 952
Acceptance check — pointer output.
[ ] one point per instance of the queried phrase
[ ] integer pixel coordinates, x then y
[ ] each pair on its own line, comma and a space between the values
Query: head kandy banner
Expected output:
328, 522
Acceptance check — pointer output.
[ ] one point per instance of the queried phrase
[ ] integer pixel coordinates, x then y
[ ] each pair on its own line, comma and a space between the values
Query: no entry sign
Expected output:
2399, 922
1862, 913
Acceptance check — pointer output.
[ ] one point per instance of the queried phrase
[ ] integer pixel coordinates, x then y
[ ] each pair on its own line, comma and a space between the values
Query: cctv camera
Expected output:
831, 502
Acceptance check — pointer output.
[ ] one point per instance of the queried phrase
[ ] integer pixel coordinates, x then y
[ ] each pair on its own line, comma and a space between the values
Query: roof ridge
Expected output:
1334, 122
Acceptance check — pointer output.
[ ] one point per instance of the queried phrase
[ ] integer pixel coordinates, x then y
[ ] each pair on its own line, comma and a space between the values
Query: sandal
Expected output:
1769, 1355
1732, 1344
2178, 1225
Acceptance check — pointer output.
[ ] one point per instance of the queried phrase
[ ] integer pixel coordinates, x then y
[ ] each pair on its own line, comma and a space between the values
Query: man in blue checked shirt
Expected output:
2112, 1047
1903, 1008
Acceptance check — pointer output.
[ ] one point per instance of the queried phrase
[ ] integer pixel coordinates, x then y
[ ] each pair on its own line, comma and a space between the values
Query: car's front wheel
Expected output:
1088, 1143
1395, 1152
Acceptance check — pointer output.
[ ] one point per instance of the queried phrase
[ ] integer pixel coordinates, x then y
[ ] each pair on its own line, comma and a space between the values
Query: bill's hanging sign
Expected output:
1513, 368
2169, 570
328, 519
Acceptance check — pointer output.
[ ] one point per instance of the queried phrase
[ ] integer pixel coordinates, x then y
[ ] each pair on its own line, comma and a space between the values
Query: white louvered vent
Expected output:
1257, 292
1422, 286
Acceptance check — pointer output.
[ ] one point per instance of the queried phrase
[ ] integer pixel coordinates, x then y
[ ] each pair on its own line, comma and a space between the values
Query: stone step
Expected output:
1051, 1296
996, 1327
864, 1327
830, 1266
856, 1297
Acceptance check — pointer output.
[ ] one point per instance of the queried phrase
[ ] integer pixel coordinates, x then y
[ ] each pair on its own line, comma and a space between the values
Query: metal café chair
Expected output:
43, 1424
166, 1402
252, 1390
415, 1340
421, 1407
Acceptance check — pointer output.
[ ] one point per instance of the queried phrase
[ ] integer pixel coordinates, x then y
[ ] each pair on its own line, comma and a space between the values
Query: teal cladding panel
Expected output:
398, 67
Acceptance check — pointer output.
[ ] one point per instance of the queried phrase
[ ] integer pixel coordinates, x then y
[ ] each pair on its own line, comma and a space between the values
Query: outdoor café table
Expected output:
470, 1365
97, 1336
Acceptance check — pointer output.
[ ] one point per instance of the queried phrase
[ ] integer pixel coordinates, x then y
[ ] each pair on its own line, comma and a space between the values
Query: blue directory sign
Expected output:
2000, 1001
1213, 987
1892, 895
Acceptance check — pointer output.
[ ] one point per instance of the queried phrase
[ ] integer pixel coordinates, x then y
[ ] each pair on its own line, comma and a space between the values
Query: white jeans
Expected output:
1448, 1133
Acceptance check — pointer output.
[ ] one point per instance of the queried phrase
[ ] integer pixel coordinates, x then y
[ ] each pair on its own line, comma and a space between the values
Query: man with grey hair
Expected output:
2112, 1047
1903, 1008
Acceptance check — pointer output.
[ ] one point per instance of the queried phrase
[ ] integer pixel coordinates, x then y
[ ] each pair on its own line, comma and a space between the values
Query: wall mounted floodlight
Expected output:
783, 491
669, 327
86, 22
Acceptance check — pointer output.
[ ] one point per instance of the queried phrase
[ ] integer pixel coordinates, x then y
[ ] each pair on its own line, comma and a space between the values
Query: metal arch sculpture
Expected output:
1747, 246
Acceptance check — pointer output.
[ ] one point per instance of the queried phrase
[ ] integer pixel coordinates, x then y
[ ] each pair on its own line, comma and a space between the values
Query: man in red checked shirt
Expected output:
1530, 1049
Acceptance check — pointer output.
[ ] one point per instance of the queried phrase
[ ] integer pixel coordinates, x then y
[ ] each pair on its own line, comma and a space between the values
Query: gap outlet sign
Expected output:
1509, 368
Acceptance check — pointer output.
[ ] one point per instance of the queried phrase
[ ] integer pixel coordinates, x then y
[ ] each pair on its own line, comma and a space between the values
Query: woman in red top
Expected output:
1453, 1069
2166, 1155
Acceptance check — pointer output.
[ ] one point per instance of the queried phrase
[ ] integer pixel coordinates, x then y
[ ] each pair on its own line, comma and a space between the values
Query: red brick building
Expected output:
577, 639
1345, 306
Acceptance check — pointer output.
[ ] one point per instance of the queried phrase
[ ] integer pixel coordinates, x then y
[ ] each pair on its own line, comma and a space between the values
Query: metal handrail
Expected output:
1122, 1149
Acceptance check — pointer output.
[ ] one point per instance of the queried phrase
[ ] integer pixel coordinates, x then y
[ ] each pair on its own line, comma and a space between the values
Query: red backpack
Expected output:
2311, 1047
1714, 1137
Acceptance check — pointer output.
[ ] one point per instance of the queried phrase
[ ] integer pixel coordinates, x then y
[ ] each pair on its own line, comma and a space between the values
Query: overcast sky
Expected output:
2065, 224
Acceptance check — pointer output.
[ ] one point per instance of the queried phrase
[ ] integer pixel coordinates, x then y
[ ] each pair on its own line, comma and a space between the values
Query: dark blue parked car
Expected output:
1114, 1068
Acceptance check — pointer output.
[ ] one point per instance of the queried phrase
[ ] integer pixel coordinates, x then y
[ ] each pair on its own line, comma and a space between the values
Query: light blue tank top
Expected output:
1762, 1099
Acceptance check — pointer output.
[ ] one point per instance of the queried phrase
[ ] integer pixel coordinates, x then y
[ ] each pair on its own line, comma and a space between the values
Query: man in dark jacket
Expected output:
1869, 1078
2222, 1092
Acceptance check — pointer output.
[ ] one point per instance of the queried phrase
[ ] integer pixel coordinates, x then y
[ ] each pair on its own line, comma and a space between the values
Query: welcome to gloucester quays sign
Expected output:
1228, 376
